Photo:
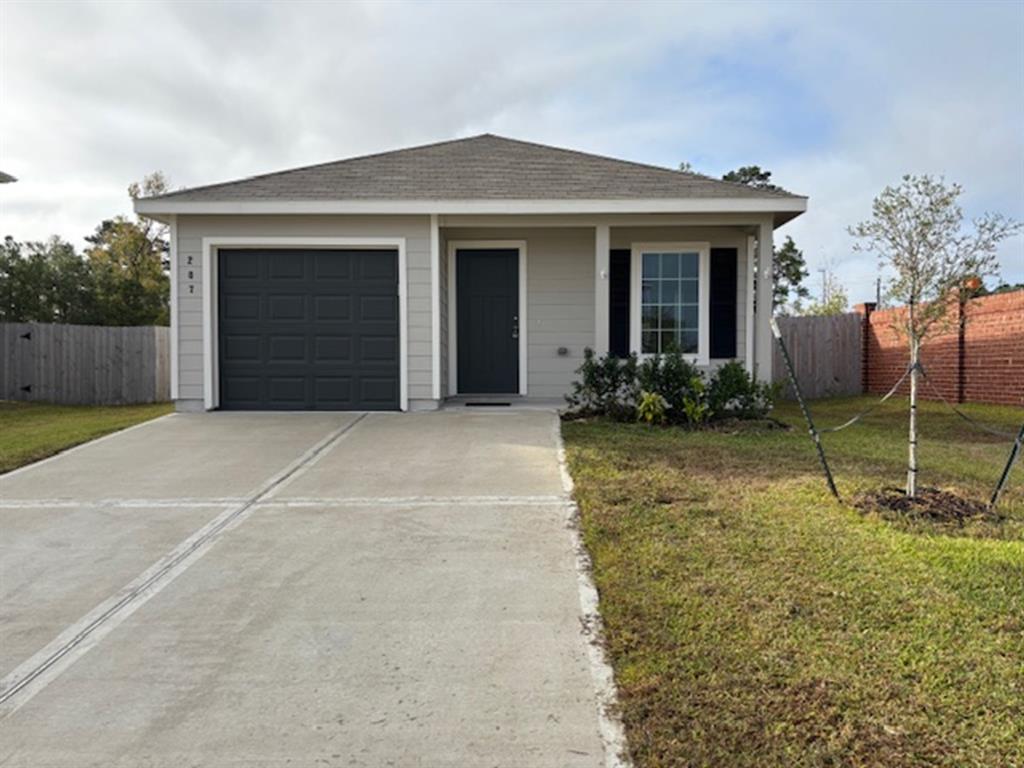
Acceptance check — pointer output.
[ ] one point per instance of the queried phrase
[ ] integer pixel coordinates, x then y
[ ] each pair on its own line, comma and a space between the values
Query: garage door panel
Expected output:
239, 265
335, 265
333, 391
286, 307
378, 391
241, 389
333, 349
286, 265
241, 348
286, 349
240, 307
377, 309
378, 349
309, 329
332, 308
377, 265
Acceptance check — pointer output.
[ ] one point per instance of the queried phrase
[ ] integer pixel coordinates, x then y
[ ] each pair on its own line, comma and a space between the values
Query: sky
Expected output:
836, 99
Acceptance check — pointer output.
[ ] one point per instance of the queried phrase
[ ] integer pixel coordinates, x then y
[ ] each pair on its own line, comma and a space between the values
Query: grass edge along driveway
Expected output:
30, 432
753, 621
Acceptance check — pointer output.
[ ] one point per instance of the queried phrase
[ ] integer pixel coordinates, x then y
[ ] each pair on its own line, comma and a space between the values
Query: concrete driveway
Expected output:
299, 589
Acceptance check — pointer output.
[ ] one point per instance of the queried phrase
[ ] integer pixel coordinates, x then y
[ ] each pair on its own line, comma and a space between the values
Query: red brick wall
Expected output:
992, 370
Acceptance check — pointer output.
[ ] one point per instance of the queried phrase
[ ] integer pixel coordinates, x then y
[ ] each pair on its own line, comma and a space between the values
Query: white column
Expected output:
173, 256
763, 331
435, 307
748, 331
602, 300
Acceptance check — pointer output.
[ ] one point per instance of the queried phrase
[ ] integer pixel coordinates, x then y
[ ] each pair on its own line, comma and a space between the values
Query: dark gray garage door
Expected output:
308, 329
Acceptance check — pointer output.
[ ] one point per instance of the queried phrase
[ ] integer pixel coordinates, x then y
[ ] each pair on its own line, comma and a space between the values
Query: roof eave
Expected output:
782, 208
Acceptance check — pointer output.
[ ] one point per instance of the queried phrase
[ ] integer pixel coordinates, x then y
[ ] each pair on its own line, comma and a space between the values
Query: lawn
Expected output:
33, 431
753, 621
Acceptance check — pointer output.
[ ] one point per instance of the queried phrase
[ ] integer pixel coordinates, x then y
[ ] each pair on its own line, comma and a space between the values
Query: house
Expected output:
480, 267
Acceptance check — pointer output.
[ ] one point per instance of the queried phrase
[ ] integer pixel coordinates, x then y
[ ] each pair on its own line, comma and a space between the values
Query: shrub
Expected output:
652, 408
666, 389
606, 386
734, 392
673, 378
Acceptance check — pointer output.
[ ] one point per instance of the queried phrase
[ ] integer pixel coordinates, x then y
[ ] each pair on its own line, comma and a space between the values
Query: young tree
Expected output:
917, 230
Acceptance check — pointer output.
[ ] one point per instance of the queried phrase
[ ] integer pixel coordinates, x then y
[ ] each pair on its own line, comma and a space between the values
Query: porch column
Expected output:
602, 300
764, 343
749, 344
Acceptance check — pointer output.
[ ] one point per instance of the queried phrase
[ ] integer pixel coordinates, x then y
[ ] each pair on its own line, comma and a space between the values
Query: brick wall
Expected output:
982, 363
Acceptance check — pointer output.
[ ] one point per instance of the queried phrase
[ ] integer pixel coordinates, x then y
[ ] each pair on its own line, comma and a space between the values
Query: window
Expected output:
670, 284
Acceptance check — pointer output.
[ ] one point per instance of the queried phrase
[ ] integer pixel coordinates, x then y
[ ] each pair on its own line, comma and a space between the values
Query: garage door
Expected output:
308, 329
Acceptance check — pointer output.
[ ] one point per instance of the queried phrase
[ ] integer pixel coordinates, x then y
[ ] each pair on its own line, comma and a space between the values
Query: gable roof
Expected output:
480, 168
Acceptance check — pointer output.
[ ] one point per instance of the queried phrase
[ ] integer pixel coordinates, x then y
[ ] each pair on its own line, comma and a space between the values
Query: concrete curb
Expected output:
613, 734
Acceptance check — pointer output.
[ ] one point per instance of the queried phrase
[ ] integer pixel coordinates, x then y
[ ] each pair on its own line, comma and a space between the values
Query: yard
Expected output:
753, 621
32, 431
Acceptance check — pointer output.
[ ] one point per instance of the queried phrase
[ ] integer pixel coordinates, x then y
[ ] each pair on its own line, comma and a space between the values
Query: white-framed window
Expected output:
669, 299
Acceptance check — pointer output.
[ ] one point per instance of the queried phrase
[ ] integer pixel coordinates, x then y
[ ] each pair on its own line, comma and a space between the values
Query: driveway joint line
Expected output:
18, 681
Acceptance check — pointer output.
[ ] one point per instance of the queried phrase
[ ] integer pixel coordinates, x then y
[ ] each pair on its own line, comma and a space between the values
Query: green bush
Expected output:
606, 386
732, 392
666, 389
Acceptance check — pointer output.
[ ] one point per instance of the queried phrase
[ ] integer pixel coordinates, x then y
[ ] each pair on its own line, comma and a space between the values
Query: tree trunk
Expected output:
912, 464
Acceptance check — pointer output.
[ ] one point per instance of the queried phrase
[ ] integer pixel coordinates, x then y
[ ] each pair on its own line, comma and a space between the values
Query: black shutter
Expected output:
618, 309
723, 302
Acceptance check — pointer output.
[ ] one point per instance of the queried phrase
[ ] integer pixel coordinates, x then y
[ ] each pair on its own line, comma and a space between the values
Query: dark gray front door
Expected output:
308, 329
487, 291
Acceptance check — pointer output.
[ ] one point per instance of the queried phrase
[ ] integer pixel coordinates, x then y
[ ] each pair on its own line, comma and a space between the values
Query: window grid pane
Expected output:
669, 303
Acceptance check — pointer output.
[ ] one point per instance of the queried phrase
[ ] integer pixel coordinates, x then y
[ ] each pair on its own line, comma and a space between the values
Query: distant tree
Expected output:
752, 176
917, 231
834, 300
129, 261
789, 269
686, 167
45, 282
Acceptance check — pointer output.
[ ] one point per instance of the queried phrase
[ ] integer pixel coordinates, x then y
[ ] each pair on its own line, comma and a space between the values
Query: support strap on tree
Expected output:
803, 407
1014, 453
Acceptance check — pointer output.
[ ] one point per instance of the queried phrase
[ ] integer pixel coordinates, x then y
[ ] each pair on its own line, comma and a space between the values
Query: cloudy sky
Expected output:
836, 99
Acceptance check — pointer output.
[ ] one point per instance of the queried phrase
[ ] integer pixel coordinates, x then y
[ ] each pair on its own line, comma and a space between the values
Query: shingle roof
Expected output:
485, 167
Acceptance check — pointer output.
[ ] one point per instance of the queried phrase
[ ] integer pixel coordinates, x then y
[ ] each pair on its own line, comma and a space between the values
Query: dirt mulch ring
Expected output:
931, 505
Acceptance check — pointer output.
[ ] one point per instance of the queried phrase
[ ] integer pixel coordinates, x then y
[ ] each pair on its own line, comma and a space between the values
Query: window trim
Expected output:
703, 250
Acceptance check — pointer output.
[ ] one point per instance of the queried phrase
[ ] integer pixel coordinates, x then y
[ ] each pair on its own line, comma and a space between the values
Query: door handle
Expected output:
515, 326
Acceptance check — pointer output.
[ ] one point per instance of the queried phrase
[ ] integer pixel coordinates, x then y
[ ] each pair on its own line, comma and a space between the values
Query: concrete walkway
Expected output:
297, 589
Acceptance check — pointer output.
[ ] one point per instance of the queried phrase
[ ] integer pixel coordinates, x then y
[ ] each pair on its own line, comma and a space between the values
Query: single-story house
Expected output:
475, 268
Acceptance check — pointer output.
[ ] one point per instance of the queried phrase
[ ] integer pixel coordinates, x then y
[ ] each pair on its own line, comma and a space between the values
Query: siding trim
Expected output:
453, 302
211, 372
173, 255
773, 205
435, 307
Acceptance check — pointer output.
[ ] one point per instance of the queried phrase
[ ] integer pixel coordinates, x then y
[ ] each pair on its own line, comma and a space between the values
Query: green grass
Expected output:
32, 431
753, 621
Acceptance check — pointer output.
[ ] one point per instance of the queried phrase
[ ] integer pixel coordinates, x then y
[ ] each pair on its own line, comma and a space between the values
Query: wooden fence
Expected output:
826, 354
84, 364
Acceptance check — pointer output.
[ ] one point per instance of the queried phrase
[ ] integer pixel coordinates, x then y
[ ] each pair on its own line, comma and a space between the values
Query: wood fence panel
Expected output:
826, 354
87, 365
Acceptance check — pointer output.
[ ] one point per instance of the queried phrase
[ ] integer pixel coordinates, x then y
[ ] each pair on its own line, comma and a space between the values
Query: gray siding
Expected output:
192, 230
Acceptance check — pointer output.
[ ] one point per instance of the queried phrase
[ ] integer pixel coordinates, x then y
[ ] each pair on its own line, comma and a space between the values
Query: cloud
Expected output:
836, 99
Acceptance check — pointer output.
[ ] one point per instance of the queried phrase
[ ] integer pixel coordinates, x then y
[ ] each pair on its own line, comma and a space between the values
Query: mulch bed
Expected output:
930, 505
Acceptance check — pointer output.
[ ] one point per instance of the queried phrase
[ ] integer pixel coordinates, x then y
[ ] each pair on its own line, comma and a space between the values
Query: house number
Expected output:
190, 275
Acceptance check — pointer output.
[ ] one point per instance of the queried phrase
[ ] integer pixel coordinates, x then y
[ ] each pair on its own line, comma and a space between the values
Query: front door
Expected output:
487, 292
